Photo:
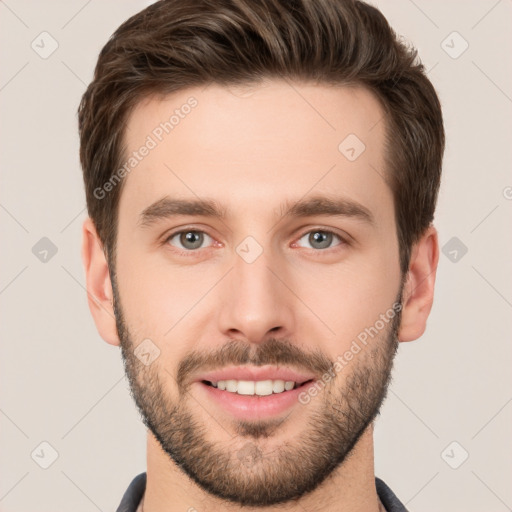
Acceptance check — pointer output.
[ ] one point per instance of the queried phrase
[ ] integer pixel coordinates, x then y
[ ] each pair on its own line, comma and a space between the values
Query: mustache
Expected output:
275, 351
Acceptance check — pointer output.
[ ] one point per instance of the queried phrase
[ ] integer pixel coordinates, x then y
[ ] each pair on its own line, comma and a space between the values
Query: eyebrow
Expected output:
169, 207
328, 206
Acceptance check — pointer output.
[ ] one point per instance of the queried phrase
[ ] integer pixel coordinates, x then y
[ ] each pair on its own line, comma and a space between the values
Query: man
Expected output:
261, 180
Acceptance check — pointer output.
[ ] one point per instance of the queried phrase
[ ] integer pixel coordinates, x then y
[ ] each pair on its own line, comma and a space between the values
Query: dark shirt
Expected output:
135, 491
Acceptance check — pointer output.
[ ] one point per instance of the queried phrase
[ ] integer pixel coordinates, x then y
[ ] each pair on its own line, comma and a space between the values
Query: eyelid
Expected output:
344, 239
186, 229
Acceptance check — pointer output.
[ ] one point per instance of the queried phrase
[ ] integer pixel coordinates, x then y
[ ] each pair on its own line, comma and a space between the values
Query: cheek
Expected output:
345, 299
332, 303
159, 300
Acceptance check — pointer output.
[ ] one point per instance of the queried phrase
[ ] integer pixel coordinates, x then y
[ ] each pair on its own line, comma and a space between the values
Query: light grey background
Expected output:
60, 383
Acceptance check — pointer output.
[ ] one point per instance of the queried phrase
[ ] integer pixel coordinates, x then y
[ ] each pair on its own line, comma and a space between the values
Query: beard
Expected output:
241, 470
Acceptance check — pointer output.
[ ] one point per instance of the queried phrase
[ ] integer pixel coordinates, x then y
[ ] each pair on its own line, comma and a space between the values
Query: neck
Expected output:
350, 487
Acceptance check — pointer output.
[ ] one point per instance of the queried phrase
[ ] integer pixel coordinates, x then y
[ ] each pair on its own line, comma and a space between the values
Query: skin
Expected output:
251, 149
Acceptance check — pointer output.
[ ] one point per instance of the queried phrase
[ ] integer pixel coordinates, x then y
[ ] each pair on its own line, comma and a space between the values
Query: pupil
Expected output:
193, 238
321, 238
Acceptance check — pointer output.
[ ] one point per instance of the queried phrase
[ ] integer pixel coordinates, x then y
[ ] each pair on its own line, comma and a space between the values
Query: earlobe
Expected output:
98, 284
418, 293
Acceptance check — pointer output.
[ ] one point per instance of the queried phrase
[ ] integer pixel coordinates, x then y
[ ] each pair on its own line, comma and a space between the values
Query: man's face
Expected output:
264, 295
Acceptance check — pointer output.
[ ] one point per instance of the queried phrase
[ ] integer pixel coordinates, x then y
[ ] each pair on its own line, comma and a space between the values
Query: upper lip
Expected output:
255, 374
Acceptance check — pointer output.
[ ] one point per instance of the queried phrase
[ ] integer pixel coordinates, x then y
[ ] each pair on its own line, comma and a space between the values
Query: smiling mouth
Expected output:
257, 388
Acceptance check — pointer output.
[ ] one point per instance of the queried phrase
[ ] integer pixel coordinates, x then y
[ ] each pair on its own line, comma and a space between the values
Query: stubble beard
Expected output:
244, 470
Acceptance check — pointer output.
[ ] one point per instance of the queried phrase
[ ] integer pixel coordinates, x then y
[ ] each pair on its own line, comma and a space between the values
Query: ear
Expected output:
418, 294
98, 284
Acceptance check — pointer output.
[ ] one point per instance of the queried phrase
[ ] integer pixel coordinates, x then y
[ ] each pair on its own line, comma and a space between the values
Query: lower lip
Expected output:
254, 407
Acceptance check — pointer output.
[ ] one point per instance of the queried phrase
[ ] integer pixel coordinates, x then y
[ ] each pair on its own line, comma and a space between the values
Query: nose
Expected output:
254, 301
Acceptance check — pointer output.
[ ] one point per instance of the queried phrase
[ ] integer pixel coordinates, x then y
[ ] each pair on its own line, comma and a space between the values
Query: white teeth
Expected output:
263, 387
278, 386
245, 387
289, 385
260, 387
231, 385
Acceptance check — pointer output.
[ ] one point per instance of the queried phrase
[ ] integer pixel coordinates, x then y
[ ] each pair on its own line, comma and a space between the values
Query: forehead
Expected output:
255, 145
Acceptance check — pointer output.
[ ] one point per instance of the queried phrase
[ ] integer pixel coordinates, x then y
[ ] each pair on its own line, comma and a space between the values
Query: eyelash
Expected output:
192, 252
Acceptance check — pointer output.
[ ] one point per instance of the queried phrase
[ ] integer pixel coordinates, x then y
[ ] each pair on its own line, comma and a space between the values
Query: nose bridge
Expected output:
254, 300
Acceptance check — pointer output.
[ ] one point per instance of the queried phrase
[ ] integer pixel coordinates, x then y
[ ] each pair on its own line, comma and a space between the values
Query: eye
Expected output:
321, 238
190, 239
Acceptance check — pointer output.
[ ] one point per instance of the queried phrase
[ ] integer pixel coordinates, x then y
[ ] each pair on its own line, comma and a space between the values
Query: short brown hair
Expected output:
175, 44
